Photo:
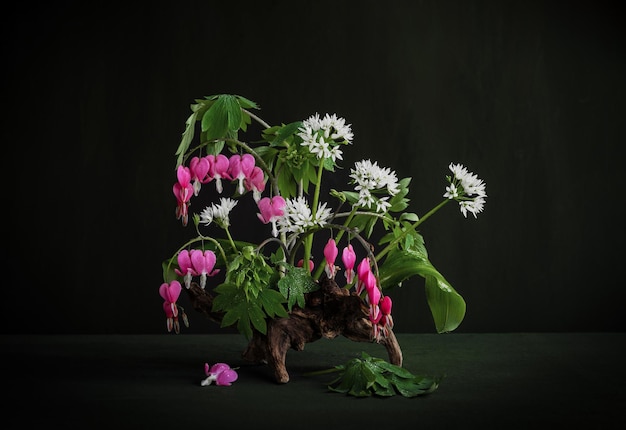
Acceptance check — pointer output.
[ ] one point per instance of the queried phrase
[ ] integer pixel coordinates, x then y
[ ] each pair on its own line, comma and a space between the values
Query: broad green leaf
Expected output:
446, 305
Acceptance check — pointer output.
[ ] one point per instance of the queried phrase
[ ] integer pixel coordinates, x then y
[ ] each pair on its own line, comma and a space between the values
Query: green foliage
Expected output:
292, 163
246, 296
246, 312
367, 376
296, 282
221, 116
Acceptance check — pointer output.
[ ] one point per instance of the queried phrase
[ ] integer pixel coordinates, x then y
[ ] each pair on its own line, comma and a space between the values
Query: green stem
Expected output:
230, 239
413, 227
256, 118
308, 244
322, 372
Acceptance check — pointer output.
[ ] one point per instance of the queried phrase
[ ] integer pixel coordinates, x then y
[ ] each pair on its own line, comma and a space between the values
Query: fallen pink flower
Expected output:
220, 373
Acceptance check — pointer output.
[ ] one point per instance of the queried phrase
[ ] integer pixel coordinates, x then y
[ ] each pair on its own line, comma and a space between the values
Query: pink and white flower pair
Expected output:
271, 209
196, 263
220, 373
348, 257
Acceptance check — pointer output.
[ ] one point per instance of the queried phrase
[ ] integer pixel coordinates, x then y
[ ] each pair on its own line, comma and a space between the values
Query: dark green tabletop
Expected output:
500, 381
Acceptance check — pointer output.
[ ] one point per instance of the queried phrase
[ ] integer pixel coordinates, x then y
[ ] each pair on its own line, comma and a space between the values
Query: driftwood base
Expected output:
330, 311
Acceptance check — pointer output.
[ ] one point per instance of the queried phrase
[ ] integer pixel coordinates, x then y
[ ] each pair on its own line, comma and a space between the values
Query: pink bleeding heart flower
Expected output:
362, 271
348, 256
311, 264
170, 293
219, 171
384, 322
220, 373
330, 254
199, 168
203, 264
271, 209
183, 190
373, 298
385, 309
240, 167
186, 269
255, 183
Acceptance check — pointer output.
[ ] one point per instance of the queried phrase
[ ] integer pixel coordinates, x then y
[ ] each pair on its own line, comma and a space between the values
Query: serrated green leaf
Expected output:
246, 103
296, 282
414, 387
272, 303
186, 139
257, 317
356, 380
400, 372
285, 132
368, 375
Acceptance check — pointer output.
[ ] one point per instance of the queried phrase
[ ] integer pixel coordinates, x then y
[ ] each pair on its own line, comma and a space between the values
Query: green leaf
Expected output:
366, 376
187, 138
233, 110
416, 386
215, 120
272, 303
446, 305
286, 183
285, 132
296, 282
247, 104
257, 317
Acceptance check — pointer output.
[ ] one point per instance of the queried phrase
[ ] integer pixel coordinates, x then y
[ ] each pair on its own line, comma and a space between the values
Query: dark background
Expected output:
528, 95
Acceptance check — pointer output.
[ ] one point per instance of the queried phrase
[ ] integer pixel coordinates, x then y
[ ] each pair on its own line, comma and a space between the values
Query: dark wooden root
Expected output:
330, 311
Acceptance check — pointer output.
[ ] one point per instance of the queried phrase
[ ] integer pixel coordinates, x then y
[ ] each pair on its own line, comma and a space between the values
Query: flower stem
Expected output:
322, 372
230, 239
308, 244
413, 227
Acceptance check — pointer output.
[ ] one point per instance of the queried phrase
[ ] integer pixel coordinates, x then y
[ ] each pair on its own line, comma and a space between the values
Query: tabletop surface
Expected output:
500, 381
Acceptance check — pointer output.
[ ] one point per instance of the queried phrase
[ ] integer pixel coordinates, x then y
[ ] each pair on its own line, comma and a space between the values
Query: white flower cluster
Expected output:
369, 179
322, 136
467, 189
218, 213
298, 217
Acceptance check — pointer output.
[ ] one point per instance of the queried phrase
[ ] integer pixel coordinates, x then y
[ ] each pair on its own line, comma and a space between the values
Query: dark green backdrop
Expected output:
529, 95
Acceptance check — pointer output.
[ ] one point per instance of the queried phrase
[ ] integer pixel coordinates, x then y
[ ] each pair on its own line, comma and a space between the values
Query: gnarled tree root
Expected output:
329, 312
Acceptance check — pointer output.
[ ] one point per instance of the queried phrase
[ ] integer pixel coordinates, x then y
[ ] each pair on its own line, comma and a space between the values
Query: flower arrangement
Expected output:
279, 285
